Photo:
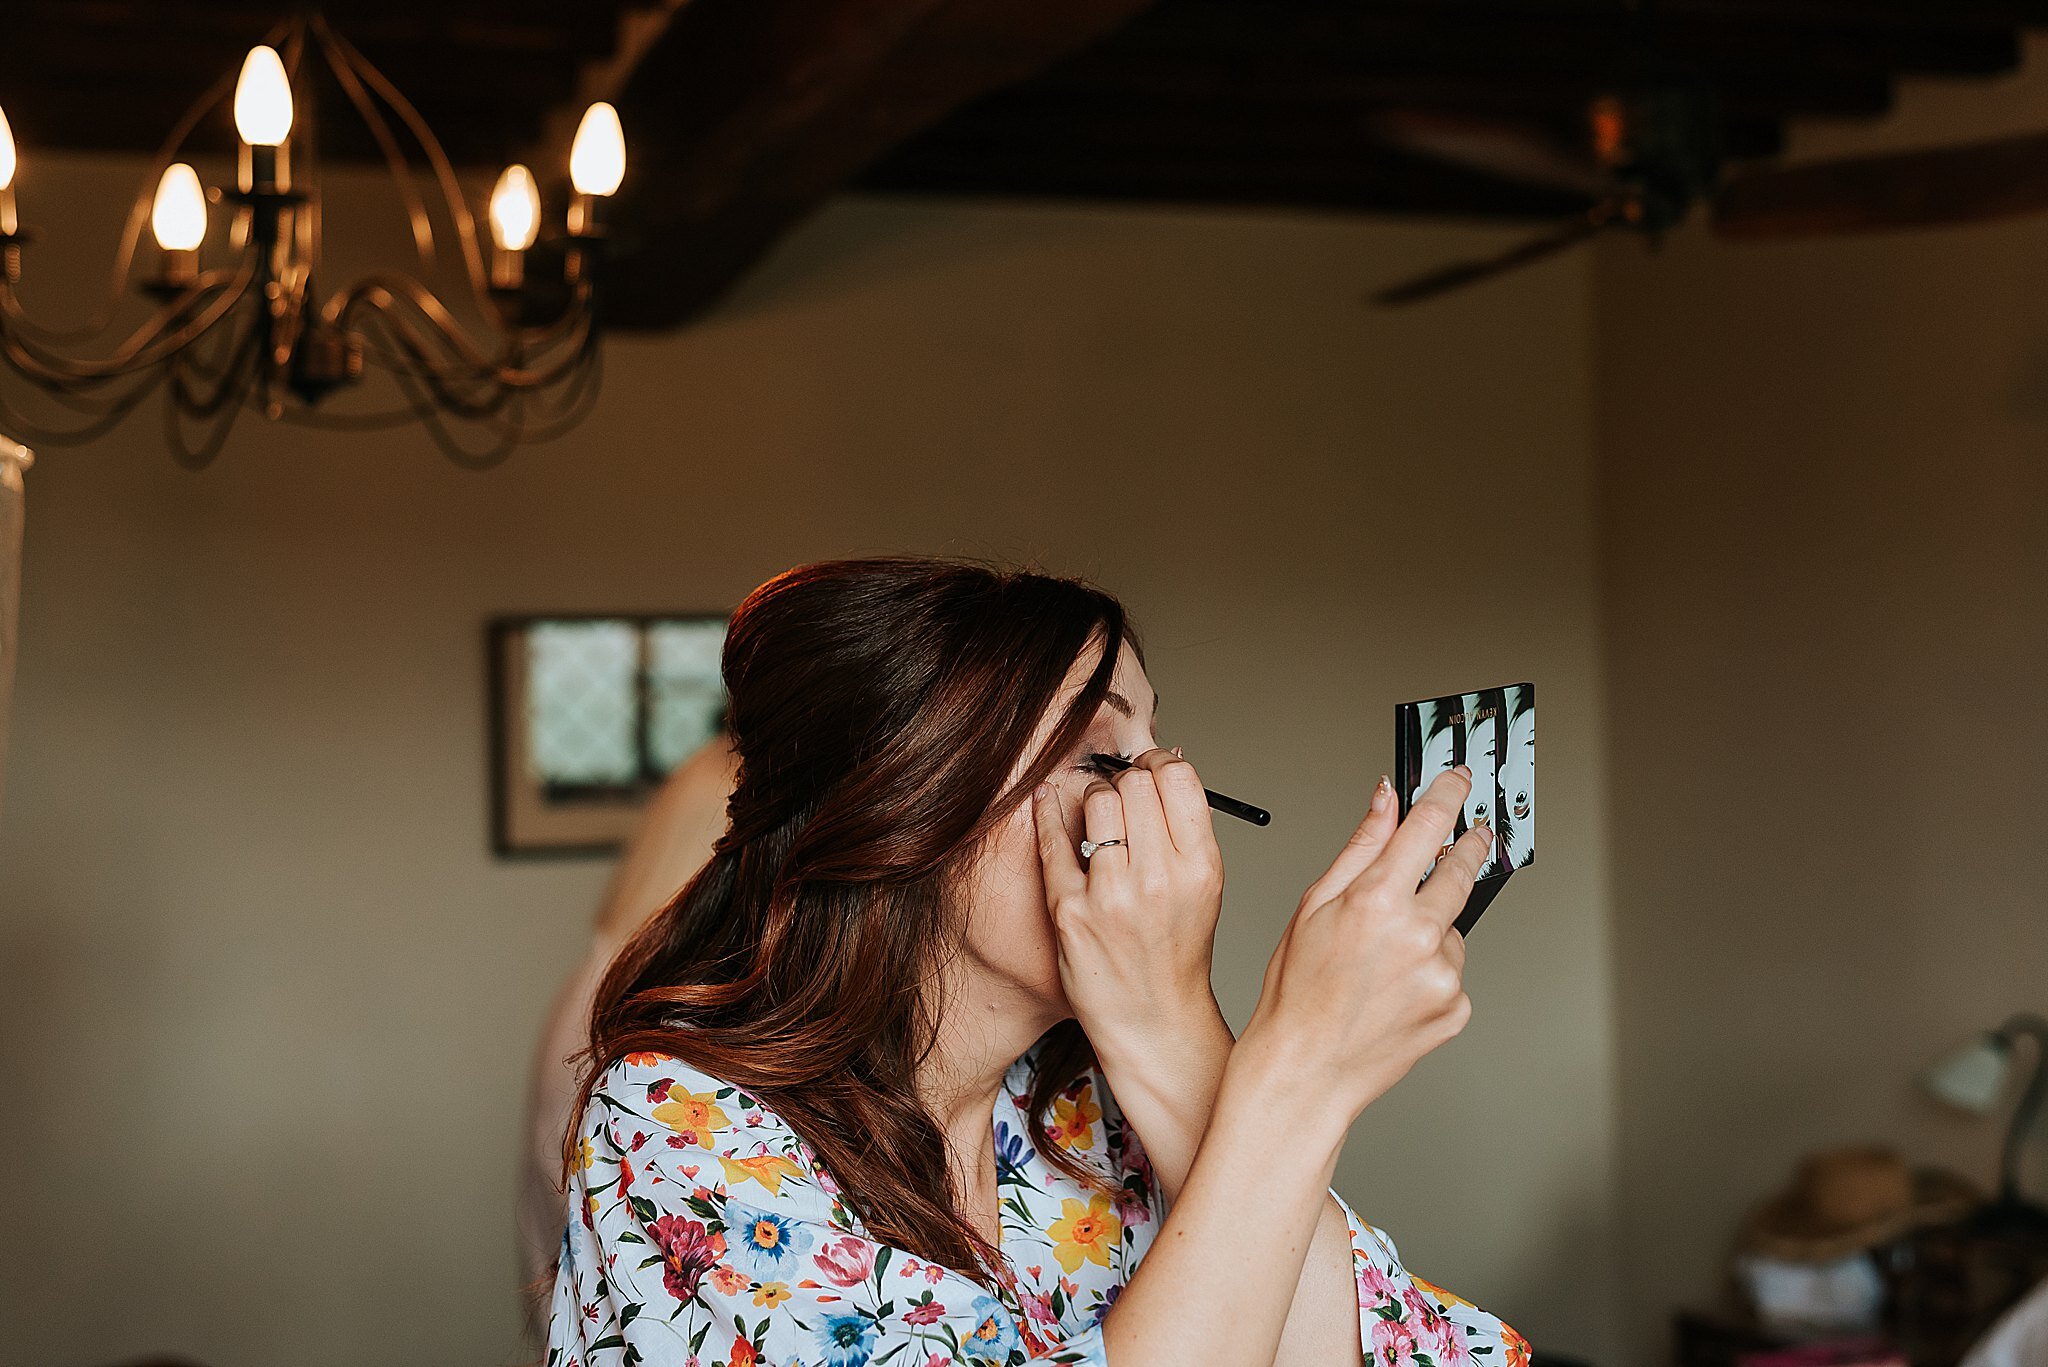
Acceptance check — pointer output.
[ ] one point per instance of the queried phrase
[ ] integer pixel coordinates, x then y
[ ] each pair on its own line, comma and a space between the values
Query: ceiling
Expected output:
744, 115
115, 75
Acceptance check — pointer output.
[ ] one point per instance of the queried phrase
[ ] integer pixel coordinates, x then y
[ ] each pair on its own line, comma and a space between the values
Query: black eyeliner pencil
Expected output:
1229, 806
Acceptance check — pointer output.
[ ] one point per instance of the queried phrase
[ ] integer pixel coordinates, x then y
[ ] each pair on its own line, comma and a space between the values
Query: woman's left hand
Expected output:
1136, 922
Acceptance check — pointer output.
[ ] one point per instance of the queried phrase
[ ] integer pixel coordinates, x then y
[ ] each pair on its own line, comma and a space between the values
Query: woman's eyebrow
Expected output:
1123, 704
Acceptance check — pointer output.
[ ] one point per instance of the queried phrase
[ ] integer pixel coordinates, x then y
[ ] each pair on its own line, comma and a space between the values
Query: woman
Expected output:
902, 1076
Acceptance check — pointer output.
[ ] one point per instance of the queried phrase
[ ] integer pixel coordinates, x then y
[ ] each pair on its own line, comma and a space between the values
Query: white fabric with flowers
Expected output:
703, 1232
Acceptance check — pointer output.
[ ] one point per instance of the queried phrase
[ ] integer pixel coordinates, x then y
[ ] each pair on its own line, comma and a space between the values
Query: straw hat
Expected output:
1846, 1200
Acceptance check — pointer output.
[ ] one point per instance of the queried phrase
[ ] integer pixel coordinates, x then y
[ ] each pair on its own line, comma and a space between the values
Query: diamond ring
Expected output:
1089, 847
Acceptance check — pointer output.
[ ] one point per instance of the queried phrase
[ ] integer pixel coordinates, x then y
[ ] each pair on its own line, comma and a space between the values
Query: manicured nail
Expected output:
1177, 754
1042, 790
1380, 794
1462, 772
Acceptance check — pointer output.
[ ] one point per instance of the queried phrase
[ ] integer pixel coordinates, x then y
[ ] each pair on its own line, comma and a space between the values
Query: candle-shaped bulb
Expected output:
263, 99
597, 159
179, 218
515, 209
6, 152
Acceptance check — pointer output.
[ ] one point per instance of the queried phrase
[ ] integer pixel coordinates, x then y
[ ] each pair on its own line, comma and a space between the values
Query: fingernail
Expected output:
1177, 754
1042, 790
1380, 794
1462, 772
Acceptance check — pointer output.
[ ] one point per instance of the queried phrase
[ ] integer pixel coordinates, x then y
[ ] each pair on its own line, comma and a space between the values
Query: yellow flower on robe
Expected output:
767, 1168
771, 1294
694, 1117
585, 1155
1085, 1233
1073, 1122
1447, 1297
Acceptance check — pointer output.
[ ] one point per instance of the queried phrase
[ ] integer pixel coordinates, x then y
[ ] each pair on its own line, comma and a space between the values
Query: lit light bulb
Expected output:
263, 99
515, 209
597, 159
179, 218
6, 152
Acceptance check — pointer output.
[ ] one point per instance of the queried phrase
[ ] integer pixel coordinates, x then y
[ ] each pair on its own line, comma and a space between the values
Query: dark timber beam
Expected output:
756, 111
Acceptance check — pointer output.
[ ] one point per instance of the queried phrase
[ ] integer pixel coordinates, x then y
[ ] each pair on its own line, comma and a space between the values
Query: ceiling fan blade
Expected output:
1968, 183
1459, 274
1519, 153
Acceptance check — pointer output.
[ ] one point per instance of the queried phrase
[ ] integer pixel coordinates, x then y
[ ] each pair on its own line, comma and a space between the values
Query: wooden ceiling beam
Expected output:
1341, 91
1220, 153
1598, 45
1372, 179
757, 111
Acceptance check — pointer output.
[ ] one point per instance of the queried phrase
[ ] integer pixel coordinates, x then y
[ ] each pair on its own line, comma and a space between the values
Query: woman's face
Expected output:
1439, 753
1518, 782
1481, 743
1008, 937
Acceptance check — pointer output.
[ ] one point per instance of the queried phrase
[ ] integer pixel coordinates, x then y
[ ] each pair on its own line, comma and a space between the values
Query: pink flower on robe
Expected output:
846, 1261
1447, 1348
1375, 1288
1393, 1344
1422, 1310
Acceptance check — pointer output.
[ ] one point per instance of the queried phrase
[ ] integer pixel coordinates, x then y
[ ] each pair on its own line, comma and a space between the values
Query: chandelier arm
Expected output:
572, 325
444, 383
223, 408
382, 293
201, 456
566, 400
167, 331
226, 343
569, 406
395, 159
437, 428
437, 158
112, 413
582, 395
233, 377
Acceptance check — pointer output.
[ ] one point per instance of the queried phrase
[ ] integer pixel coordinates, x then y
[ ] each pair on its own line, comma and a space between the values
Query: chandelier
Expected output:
247, 326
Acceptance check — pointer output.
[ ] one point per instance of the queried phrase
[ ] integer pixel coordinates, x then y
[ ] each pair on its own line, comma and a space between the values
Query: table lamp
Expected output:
1972, 1078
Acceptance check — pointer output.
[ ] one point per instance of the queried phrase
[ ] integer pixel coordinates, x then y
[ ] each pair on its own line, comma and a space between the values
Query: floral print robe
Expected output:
703, 1232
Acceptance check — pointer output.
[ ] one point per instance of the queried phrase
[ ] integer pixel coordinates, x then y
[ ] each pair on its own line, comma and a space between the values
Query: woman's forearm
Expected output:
1221, 1282
1166, 1084
1167, 1091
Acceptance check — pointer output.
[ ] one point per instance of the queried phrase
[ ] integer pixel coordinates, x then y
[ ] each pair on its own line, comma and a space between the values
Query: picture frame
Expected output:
587, 713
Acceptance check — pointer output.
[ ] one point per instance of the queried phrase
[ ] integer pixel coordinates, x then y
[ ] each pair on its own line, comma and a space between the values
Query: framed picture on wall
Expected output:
588, 714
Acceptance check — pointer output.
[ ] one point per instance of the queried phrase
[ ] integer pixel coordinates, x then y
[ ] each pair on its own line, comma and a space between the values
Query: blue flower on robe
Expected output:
846, 1340
1013, 1154
994, 1336
762, 1244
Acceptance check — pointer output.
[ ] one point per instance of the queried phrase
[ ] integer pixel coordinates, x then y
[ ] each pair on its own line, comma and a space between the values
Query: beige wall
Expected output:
267, 999
1826, 516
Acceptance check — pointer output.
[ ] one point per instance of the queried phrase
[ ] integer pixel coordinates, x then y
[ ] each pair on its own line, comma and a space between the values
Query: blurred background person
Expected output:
672, 842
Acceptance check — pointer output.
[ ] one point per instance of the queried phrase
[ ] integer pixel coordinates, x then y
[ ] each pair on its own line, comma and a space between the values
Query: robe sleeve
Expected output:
1404, 1321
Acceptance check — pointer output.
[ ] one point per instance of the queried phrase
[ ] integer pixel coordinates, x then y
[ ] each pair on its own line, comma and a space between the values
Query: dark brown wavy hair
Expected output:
878, 707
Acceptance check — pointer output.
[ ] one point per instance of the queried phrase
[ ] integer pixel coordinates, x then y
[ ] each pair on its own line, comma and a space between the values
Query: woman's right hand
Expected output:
1369, 975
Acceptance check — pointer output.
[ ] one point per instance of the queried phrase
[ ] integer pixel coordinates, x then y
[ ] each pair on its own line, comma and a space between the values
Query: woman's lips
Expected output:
1521, 807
